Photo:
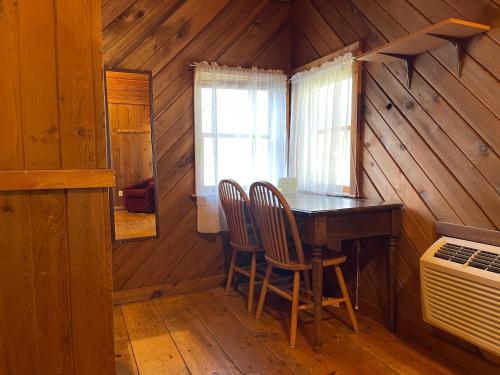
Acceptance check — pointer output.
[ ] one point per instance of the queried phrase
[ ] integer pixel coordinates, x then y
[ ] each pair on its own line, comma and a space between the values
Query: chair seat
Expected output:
140, 193
250, 249
330, 257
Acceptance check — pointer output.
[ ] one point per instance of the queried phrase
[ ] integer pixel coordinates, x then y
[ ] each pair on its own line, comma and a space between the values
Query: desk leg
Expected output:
393, 245
317, 280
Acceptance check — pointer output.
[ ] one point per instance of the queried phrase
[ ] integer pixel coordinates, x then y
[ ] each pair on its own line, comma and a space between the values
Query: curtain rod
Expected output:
193, 65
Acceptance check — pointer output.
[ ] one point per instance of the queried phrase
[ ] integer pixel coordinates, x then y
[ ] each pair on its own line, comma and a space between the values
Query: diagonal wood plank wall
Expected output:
434, 147
164, 36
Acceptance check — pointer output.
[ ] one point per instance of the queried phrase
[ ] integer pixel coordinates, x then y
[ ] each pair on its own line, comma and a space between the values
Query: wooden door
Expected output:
55, 248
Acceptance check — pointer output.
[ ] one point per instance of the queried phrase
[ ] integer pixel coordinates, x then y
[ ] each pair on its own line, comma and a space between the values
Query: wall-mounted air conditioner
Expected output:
460, 282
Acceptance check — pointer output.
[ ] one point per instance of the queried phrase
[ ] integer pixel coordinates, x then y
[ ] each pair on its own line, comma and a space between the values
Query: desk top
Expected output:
315, 204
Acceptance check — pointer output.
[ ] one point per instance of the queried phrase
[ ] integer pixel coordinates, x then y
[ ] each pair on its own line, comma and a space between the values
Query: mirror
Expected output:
131, 153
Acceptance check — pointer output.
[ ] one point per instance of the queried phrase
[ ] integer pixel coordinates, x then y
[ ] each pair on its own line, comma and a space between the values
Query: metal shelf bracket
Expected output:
409, 62
458, 43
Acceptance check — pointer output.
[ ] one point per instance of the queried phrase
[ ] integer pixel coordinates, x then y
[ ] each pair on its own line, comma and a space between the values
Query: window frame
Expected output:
356, 50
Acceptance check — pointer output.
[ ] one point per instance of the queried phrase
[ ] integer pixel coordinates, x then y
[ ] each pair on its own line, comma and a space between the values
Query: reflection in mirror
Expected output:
134, 209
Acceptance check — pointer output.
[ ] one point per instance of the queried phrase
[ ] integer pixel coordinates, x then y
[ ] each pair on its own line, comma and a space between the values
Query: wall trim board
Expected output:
56, 179
157, 291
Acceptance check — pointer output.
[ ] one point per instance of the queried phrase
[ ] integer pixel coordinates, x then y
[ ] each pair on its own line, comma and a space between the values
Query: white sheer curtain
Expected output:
320, 143
240, 132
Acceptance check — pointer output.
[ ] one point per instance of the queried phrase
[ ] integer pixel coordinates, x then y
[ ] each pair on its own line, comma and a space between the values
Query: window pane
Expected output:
262, 162
234, 157
206, 110
262, 115
234, 114
242, 129
208, 161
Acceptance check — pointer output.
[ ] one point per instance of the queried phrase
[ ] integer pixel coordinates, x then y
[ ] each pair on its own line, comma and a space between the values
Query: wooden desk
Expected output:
325, 220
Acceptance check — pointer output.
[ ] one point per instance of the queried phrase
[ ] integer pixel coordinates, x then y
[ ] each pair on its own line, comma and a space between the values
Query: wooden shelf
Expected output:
451, 30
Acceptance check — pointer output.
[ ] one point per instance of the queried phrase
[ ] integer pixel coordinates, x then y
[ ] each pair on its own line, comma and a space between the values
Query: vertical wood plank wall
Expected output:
55, 248
164, 36
433, 147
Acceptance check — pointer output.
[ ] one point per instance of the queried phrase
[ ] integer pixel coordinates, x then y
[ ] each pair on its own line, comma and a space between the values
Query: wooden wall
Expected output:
129, 116
55, 247
434, 147
164, 36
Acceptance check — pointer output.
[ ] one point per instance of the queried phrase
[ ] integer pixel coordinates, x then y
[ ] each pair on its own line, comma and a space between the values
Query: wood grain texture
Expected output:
56, 179
55, 264
154, 350
124, 355
194, 340
434, 147
373, 350
157, 291
165, 36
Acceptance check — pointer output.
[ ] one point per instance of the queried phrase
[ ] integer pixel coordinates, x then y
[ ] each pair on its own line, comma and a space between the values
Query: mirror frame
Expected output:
153, 150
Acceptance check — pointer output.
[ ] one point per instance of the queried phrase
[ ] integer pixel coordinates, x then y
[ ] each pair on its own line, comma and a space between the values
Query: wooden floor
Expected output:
134, 224
209, 333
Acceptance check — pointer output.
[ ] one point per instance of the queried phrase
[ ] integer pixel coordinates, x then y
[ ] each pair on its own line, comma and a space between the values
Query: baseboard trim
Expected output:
156, 291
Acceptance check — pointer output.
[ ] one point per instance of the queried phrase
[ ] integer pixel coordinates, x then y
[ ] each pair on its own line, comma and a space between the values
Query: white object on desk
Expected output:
288, 185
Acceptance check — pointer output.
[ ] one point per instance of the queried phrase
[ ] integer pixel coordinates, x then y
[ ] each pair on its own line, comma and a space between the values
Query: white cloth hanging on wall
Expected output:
240, 132
320, 128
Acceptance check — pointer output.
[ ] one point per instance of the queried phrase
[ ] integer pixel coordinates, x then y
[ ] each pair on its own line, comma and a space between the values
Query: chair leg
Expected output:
345, 295
307, 284
230, 272
295, 307
263, 292
251, 285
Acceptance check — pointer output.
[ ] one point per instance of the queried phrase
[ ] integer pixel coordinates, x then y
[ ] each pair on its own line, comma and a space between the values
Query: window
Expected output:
240, 132
322, 146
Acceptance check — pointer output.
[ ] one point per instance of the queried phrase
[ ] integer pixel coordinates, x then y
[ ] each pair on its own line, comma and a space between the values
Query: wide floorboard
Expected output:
210, 333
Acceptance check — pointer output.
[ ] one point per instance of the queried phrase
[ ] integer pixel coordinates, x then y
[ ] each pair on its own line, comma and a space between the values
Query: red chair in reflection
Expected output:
140, 197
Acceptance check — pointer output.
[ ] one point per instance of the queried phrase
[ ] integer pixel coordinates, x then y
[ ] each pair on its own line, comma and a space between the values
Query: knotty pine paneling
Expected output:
433, 147
164, 36
55, 245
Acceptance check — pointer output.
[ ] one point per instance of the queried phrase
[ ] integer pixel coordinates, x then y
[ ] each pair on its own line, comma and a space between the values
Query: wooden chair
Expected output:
242, 233
274, 216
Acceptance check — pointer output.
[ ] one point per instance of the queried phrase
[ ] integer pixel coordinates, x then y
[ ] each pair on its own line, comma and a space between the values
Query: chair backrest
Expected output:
274, 216
239, 218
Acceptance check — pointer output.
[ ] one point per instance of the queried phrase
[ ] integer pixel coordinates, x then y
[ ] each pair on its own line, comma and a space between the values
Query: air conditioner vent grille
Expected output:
455, 253
486, 261
481, 259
